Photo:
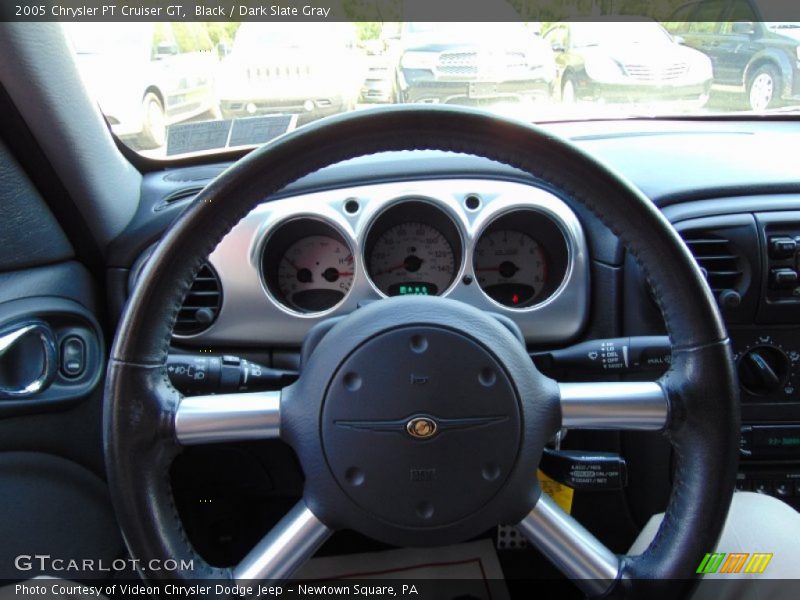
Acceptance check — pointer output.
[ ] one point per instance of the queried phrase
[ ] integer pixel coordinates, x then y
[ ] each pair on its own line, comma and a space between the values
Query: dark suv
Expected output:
750, 53
475, 64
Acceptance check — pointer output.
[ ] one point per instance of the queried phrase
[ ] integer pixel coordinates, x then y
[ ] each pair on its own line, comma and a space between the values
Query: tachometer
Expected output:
315, 273
510, 267
412, 258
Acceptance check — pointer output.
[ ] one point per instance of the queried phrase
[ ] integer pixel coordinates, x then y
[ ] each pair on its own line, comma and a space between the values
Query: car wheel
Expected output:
154, 123
763, 88
568, 91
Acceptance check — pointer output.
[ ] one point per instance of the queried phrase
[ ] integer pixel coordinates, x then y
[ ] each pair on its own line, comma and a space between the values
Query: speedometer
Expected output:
412, 258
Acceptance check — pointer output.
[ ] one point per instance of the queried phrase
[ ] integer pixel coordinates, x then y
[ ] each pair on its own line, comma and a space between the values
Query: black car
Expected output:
628, 62
752, 54
473, 64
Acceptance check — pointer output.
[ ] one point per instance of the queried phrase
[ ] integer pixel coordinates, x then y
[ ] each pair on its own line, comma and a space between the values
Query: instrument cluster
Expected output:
503, 246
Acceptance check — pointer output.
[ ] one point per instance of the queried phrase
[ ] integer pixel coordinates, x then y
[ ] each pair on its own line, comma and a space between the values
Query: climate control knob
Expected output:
763, 369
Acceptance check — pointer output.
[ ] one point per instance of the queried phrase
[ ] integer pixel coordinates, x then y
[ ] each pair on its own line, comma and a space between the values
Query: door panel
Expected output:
52, 471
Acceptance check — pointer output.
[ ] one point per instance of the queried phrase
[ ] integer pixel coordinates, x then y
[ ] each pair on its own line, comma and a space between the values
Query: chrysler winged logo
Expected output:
421, 427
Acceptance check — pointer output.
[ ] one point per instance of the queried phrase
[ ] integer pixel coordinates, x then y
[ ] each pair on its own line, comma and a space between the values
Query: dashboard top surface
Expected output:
670, 161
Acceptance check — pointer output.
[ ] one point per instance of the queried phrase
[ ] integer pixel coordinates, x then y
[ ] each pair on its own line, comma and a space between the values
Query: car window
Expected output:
681, 19
741, 12
173, 88
600, 34
558, 37
701, 17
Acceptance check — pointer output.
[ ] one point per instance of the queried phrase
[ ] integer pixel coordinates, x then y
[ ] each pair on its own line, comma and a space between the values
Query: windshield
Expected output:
172, 89
599, 34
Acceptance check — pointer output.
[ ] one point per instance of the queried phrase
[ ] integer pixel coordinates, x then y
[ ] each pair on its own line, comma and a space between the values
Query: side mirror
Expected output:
223, 49
744, 27
558, 47
165, 49
679, 39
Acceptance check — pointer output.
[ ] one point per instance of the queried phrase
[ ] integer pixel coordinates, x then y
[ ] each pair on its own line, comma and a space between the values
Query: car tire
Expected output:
568, 95
154, 123
763, 88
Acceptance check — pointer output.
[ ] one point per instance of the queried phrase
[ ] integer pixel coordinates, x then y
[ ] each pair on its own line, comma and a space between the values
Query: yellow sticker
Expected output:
559, 492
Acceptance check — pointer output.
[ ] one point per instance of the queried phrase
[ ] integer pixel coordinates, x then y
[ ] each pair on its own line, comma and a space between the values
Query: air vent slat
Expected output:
201, 305
717, 258
720, 257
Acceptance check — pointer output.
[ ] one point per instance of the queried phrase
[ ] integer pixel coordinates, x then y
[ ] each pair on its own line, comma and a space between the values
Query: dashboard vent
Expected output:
201, 304
182, 194
718, 259
203, 173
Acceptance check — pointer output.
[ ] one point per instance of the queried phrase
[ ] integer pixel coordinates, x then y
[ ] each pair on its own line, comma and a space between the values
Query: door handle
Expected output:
17, 380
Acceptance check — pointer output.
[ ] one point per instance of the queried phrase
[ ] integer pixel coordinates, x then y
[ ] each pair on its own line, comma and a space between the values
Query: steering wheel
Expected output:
421, 420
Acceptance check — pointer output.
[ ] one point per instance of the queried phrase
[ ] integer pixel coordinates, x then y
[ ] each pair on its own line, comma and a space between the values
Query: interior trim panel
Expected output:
251, 314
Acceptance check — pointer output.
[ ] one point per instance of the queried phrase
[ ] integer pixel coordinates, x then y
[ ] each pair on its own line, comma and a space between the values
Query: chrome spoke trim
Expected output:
569, 545
285, 548
641, 405
228, 418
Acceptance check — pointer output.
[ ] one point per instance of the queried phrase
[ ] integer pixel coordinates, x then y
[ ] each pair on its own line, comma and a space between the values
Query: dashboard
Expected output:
505, 247
481, 232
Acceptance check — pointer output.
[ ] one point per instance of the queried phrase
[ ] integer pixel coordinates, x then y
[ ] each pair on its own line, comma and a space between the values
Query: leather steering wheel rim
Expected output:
703, 424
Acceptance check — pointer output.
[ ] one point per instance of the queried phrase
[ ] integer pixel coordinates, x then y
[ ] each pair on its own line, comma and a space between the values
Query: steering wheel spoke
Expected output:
285, 548
228, 418
577, 553
630, 405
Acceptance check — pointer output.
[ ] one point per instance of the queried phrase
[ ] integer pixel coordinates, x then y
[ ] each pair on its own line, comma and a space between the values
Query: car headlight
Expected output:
602, 68
419, 60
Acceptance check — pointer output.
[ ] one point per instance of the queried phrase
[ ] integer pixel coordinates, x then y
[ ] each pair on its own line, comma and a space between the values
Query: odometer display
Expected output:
412, 258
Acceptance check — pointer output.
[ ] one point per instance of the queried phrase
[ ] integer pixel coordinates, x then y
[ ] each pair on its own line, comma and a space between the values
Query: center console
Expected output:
751, 261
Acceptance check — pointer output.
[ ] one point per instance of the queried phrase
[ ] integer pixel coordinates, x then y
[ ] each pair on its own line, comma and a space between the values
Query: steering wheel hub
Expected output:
440, 419
428, 418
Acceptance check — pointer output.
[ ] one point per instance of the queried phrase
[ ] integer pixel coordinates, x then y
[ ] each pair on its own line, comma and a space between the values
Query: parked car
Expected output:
309, 69
143, 78
626, 61
479, 63
377, 86
753, 55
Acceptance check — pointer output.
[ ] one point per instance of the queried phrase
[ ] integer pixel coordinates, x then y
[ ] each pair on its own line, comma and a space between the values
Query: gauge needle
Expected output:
506, 269
291, 262
392, 268
332, 274
303, 275
411, 263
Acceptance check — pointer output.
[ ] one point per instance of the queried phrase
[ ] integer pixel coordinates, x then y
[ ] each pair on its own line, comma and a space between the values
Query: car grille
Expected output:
656, 73
270, 73
458, 63
475, 63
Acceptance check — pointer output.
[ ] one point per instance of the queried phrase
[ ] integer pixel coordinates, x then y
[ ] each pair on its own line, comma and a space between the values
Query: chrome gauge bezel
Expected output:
373, 227
319, 227
251, 315
503, 211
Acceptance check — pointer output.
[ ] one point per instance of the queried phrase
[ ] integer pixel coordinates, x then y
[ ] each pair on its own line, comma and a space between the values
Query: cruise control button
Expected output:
73, 357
